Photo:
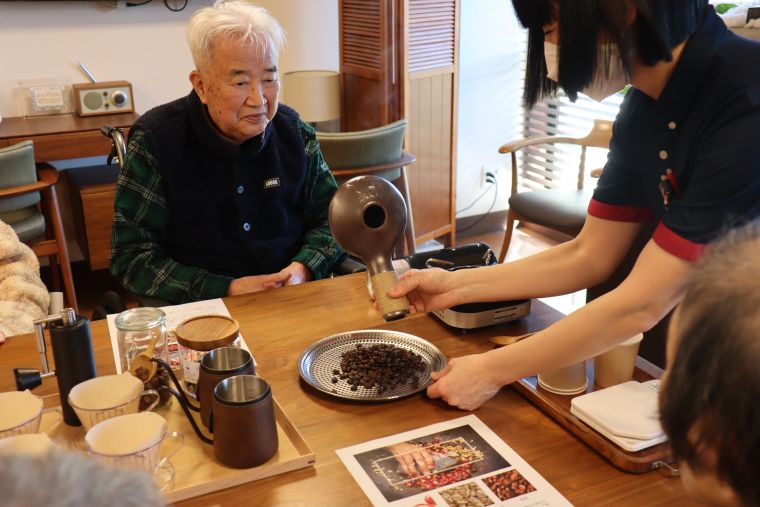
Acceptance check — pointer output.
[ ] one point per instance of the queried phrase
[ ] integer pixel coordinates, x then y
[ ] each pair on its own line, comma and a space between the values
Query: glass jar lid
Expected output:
207, 332
139, 319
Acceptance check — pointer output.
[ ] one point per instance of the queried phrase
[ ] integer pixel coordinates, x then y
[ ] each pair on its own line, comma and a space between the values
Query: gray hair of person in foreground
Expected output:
248, 23
68, 479
710, 403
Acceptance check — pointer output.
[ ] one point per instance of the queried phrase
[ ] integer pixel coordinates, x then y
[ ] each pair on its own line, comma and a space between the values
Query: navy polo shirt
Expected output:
705, 128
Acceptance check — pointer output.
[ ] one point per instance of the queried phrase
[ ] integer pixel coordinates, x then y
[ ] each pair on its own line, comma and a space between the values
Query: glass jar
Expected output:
197, 336
135, 328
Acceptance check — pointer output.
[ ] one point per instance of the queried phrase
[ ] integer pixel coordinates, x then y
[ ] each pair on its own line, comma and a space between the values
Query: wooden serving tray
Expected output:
196, 470
557, 407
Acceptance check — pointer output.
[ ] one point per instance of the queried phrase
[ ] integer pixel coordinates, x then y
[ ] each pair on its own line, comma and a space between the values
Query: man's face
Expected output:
239, 88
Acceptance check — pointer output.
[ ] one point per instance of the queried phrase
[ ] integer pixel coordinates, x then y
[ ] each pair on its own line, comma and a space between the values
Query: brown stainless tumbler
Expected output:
216, 366
242, 419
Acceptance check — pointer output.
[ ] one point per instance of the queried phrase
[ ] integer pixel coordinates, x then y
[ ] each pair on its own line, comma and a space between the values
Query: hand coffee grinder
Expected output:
367, 217
72, 351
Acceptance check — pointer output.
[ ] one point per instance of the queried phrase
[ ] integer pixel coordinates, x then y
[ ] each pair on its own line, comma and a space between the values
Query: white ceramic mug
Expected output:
134, 441
101, 398
21, 413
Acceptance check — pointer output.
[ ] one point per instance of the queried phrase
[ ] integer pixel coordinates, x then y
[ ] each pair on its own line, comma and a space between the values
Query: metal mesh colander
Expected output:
317, 363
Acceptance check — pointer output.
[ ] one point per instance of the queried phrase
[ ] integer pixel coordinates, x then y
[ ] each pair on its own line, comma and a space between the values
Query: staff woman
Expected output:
685, 153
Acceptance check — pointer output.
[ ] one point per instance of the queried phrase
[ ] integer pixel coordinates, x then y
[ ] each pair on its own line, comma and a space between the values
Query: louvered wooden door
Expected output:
399, 59
370, 63
430, 65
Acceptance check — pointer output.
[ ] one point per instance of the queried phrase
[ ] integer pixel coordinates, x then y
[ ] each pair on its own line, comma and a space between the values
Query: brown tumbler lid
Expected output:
207, 332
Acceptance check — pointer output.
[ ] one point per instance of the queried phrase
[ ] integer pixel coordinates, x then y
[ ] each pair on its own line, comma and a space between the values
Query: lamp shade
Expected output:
315, 94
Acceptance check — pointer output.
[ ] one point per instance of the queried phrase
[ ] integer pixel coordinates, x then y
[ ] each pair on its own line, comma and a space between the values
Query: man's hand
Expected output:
299, 273
413, 459
293, 274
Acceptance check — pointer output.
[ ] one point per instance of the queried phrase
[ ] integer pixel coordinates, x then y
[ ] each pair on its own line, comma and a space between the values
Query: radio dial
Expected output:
118, 98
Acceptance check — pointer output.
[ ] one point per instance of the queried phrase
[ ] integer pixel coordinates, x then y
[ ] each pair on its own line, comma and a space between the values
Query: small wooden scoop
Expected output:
509, 340
143, 360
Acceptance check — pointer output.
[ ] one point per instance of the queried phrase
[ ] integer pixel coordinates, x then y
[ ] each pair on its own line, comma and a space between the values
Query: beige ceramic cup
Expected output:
566, 381
134, 441
21, 413
616, 365
101, 398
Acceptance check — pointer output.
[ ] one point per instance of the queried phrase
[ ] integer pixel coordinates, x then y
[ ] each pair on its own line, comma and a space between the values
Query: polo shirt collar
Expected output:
214, 141
683, 86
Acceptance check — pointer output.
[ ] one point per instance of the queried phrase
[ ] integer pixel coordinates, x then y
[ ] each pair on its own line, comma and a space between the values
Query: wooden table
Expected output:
279, 324
64, 136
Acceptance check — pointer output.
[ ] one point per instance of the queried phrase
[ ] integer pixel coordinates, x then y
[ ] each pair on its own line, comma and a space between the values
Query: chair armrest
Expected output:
48, 176
347, 266
522, 143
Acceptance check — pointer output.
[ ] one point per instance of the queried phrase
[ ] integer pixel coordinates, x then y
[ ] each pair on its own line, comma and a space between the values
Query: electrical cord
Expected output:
490, 178
178, 9
490, 208
166, 3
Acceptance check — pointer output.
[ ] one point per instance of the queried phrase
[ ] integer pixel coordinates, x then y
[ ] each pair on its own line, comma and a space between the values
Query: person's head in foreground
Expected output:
710, 397
68, 479
597, 46
236, 47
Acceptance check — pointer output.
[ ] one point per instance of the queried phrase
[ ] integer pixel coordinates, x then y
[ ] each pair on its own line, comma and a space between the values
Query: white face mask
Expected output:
604, 83
609, 77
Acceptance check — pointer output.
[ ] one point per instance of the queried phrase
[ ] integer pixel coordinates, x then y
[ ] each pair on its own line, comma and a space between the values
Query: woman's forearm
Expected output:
580, 263
635, 306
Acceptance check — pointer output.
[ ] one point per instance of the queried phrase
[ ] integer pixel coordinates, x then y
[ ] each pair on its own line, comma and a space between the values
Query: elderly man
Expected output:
222, 191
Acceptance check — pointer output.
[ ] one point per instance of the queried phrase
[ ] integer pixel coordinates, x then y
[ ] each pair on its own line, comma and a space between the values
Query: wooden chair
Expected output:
36, 220
558, 209
373, 152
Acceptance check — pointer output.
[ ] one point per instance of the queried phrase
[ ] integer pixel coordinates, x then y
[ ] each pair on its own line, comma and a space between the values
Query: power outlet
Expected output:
496, 170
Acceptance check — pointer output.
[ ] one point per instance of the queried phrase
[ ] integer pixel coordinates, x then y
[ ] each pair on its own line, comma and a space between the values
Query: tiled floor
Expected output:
91, 285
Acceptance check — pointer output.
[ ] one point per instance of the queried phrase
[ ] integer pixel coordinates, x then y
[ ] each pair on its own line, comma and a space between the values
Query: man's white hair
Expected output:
249, 24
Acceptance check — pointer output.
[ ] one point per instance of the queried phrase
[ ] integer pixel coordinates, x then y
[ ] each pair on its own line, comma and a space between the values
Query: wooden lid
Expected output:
207, 332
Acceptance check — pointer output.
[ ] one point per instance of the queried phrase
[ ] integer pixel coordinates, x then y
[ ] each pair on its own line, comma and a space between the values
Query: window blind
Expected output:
556, 166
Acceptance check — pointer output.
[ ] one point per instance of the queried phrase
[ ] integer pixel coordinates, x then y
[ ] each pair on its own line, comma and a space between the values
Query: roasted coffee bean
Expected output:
508, 485
383, 366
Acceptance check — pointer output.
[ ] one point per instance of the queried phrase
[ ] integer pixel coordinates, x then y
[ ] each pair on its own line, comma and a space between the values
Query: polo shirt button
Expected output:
663, 155
672, 125
240, 189
246, 227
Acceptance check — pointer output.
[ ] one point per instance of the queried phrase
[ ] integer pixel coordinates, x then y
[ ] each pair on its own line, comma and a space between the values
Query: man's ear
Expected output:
199, 85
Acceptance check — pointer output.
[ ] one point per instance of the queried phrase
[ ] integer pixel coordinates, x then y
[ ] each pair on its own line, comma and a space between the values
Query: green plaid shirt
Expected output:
141, 219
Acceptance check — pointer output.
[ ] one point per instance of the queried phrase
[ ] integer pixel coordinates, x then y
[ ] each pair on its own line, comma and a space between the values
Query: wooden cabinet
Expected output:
399, 59
93, 192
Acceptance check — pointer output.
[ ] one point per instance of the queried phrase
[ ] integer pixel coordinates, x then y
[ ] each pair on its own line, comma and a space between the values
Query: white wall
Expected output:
144, 45
491, 66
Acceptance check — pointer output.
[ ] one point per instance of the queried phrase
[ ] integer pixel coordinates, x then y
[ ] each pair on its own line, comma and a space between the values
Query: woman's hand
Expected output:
466, 382
427, 289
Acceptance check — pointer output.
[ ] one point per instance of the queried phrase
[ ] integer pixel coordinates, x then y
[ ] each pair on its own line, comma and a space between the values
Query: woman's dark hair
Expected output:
710, 403
660, 25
